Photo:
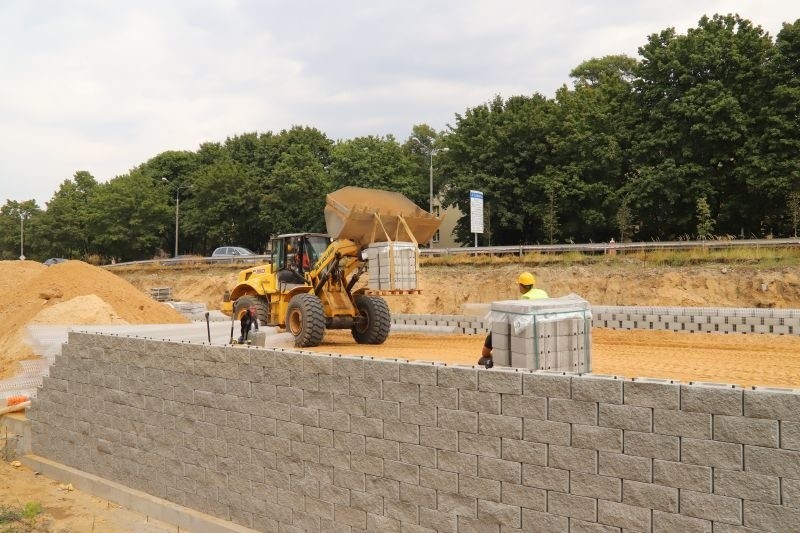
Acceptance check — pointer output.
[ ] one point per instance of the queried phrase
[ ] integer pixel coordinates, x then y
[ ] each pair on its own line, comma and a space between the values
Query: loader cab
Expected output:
293, 255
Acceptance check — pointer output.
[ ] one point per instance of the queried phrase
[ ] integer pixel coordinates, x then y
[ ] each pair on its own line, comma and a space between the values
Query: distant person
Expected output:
249, 322
527, 290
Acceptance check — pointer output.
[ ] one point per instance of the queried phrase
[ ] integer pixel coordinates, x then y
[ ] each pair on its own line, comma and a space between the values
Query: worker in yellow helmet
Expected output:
527, 291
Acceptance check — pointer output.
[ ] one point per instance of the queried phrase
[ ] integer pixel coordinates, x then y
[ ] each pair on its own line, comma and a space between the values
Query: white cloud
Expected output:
99, 86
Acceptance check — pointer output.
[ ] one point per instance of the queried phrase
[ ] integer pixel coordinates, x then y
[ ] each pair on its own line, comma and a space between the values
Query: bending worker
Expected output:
249, 322
527, 291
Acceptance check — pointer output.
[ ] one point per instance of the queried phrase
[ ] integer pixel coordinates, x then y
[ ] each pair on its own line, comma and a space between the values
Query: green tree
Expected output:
793, 206
64, 224
705, 223
13, 216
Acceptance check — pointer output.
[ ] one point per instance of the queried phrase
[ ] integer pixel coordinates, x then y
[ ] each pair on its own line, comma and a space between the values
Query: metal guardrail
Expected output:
520, 250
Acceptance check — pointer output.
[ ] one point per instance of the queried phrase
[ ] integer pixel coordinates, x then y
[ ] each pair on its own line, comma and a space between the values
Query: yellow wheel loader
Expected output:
312, 281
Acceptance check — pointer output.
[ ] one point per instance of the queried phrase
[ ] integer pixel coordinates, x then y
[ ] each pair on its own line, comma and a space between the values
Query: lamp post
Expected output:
177, 211
21, 236
431, 152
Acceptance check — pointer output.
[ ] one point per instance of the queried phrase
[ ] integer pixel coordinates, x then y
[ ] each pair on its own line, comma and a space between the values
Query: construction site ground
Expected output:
74, 292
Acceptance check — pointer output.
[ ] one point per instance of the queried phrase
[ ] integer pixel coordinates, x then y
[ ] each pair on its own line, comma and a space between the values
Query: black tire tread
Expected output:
313, 317
379, 320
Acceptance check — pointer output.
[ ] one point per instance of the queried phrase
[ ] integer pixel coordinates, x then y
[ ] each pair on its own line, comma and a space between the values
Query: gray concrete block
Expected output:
625, 466
438, 396
500, 425
546, 431
500, 513
572, 506
461, 463
572, 411
790, 492
682, 424
669, 523
351, 367
368, 387
443, 439
711, 507
747, 486
385, 449
352, 405
524, 406
382, 369
764, 516
484, 402
476, 525
500, 381
595, 389
625, 516
478, 487
790, 435
382, 523
401, 392
347, 479
477, 444
540, 522
682, 476
595, 486
438, 521
756, 431
650, 496
666, 447
773, 404
547, 385
457, 420
524, 497
455, 377
423, 415
662, 394
772, 462
626, 417
417, 495
384, 409
711, 453
596, 438
712, 399
418, 373
369, 427
500, 470
401, 432
574, 459
457, 504
439, 480
350, 516
389, 489
417, 455
524, 452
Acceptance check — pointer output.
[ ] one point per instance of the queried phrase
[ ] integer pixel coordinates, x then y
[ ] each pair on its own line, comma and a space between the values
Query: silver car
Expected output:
231, 251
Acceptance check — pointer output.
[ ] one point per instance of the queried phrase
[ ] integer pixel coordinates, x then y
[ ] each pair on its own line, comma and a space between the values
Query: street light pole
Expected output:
21, 237
431, 152
177, 208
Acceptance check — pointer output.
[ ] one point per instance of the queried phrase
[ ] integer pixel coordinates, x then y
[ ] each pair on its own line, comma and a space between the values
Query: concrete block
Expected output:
625, 466
500, 470
418, 373
382, 369
747, 486
417, 455
596, 438
382, 523
461, 463
401, 432
504, 357
424, 415
710, 453
666, 447
500, 425
755, 431
546, 431
594, 486
524, 406
574, 459
351, 367
540, 522
478, 487
352, 405
457, 504
547, 385
500, 381
682, 424
790, 435
455, 377
572, 411
662, 394
711, 507
523, 496
650, 496
417, 495
443, 439
573, 506
524, 452
682, 476
790, 492
591, 389
484, 402
772, 404
767, 517
475, 525
385, 449
438, 521
401, 392
477, 444
350, 516
438, 396
500, 513
366, 501
457, 420
382, 409
624, 516
381, 486
626, 417
772, 462
669, 523
712, 399
439, 480
369, 427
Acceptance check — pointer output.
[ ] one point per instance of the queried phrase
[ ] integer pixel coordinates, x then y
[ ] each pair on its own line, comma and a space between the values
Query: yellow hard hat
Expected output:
526, 278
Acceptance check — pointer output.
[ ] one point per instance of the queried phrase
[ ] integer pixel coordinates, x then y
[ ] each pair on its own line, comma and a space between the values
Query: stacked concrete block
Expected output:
392, 265
548, 334
282, 440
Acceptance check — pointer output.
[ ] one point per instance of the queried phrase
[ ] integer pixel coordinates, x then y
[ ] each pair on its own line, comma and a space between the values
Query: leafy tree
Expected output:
705, 224
793, 205
13, 215
65, 221
624, 221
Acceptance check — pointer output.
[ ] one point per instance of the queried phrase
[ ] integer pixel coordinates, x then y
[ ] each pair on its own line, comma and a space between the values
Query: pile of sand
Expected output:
67, 293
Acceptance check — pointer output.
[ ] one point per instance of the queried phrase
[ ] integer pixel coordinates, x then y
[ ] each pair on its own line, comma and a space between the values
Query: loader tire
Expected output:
376, 320
244, 302
305, 319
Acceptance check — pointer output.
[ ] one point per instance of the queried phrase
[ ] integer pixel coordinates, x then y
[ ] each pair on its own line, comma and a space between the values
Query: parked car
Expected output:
231, 251
54, 261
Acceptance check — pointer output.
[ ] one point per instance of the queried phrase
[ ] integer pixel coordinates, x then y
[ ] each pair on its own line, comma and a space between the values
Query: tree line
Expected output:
696, 137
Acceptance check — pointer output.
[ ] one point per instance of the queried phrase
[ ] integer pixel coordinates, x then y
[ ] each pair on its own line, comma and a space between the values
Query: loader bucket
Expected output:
372, 215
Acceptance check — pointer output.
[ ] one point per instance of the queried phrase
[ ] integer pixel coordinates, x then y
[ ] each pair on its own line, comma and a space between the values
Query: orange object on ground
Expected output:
14, 400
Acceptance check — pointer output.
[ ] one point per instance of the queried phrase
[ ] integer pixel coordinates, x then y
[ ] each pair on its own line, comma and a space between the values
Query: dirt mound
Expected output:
68, 293
13, 273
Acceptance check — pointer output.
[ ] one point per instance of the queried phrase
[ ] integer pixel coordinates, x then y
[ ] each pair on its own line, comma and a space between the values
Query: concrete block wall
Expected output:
293, 441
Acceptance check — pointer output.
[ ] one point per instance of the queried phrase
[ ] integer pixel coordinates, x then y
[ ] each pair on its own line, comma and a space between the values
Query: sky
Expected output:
104, 86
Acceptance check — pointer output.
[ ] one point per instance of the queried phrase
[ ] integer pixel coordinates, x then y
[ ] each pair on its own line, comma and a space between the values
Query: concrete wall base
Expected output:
139, 501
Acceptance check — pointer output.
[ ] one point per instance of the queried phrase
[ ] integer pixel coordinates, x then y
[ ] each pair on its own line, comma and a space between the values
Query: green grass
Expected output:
14, 518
